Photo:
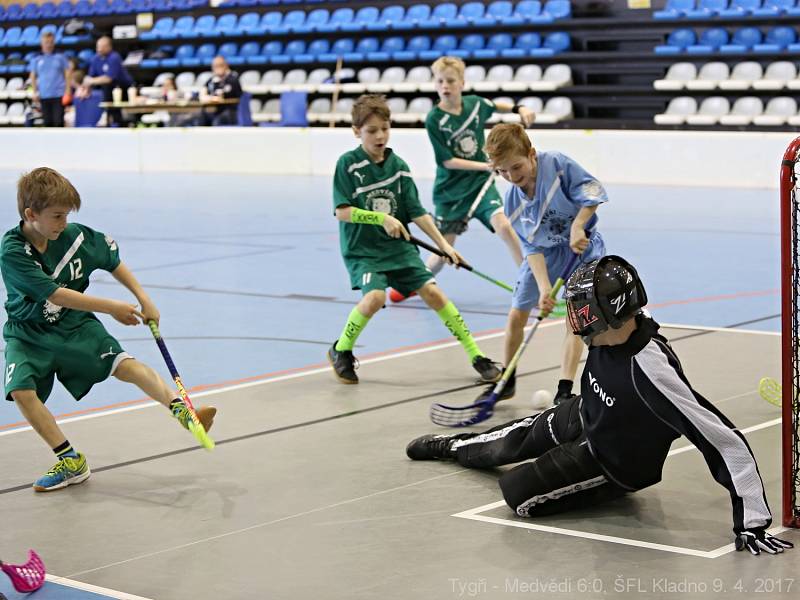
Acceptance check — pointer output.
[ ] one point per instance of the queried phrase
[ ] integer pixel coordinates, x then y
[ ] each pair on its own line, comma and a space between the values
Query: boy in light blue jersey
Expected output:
552, 207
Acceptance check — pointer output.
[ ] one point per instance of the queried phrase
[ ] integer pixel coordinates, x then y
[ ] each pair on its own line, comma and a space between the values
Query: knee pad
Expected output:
560, 423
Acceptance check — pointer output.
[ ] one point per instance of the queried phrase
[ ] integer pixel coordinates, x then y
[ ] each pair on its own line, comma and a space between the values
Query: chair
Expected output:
389, 78
396, 105
270, 21
415, 78
414, 48
415, 16
182, 28
495, 77
558, 9
163, 26
533, 103
709, 76
339, 17
742, 76
204, 27
418, 109
473, 74
495, 46
389, 47
678, 110
366, 76
677, 41
710, 40
773, 8
525, 77
319, 109
469, 44
226, 25
530, 11
185, 80
250, 80
389, 16
271, 78
341, 111
294, 77
87, 110
556, 109
744, 110
502, 12
743, 40
362, 49
292, 21
524, 45
777, 112
677, 76
364, 16
707, 9
244, 118
556, 42
444, 44
740, 8
250, 24
442, 15
203, 78
674, 9
556, 76
777, 39
710, 111
315, 78
777, 76
472, 13
270, 111
316, 19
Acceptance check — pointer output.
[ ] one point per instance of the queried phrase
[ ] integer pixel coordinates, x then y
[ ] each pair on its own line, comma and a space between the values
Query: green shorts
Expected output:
79, 356
451, 219
405, 280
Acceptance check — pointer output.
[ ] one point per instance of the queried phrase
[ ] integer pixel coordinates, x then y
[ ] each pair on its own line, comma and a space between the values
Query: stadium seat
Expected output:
163, 26
444, 44
525, 76
742, 41
204, 27
677, 41
773, 8
12, 37
389, 47
319, 109
472, 14
556, 109
744, 110
495, 77
30, 36
674, 9
362, 49
709, 76
340, 48
339, 17
205, 54
294, 77
203, 78
388, 18
182, 28
555, 76
710, 41
677, 76
555, 42
315, 78
396, 106
777, 39
495, 46
418, 110
271, 78
414, 17
532, 102
706, 9
341, 111
365, 77
530, 11
557, 9
292, 22
316, 48
473, 74
710, 111
414, 47
315, 19
364, 16
250, 53
183, 55
226, 25
442, 15
417, 78
739, 8
777, 112
469, 44
502, 12
250, 79
270, 21
524, 46
185, 80
742, 76
776, 76
389, 78
678, 110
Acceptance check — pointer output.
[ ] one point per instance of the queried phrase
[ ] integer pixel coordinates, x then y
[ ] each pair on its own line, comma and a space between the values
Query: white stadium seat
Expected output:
710, 111
742, 76
709, 76
677, 76
744, 110
677, 111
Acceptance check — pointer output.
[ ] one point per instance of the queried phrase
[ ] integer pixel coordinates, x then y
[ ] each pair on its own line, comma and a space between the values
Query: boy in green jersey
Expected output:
51, 331
374, 198
456, 130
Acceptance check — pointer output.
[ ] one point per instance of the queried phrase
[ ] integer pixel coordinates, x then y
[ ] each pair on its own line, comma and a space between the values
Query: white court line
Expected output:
88, 587
239, 386
474, 514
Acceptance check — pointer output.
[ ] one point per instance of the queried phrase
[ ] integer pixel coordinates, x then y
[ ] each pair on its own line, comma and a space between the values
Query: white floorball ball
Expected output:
542, 399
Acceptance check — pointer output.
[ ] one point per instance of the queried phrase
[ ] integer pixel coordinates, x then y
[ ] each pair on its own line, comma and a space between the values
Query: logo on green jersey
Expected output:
466, 144
382, 201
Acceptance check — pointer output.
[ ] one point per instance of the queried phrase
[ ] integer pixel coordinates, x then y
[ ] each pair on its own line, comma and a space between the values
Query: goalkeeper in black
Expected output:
614, 438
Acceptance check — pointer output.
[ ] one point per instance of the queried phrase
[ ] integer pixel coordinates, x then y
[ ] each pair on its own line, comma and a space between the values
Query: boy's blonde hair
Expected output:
43, 188
449, 62
507, 141
367, 105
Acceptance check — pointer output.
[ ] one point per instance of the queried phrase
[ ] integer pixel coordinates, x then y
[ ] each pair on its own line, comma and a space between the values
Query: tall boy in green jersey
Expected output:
51, 331
455, 127
374, 198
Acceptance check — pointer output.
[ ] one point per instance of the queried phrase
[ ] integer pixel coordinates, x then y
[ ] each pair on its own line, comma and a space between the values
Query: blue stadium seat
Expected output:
389, 46
204, 27
558, 9
269, 2
677, 41
251, 53
140, 5
707, 9
30, 36
316, 49
163, 26
316, 19
65, 10
293, 48
526, 10
271, 50
468, 45
364, 16
777, 39
339, 49
743, 40
442, 15
415, 46
121, 7
230, 51
415, 15
444, 44
711, 40
363, 47
183, 28
160, 5
250, 24
12, 36
388, 17
338, 18
502, 11
85, 57
179, 4
472, 13
495, 46
47, 10
556, 42
271, 20
523, 46
205, 53
30, 11
185, 55
226, 25
291, 20
773, 8
14, 12
674, 9
17, 68
103, 8
740, 8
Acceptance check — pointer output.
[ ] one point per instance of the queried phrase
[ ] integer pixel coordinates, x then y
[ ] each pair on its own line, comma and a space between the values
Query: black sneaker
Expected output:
488, 369
508, 391
562, 397
344, 364
433, 447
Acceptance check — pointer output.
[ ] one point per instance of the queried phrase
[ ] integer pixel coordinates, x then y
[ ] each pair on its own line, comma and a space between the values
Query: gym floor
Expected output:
309, 493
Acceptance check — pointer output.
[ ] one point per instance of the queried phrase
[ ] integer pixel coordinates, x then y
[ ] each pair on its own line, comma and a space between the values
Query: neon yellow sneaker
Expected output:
67, 471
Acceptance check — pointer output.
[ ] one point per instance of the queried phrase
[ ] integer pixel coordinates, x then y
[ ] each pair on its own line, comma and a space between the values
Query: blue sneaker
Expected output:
67, 471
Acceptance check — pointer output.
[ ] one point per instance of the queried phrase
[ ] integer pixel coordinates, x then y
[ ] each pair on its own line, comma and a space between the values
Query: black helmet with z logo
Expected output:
601, 294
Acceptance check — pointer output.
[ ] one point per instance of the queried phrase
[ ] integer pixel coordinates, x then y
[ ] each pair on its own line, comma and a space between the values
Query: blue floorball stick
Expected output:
464, 416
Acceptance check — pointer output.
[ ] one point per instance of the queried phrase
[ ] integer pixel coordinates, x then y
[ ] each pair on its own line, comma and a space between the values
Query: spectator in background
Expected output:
224, 85
106, 72
50, 72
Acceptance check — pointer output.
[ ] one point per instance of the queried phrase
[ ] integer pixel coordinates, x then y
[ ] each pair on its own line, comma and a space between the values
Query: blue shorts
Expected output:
526, 291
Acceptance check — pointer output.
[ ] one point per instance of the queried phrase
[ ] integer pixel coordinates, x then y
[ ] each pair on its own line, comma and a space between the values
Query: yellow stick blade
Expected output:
770, 390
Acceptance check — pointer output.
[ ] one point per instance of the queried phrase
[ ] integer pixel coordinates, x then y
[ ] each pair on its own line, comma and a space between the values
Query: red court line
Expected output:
401, 349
